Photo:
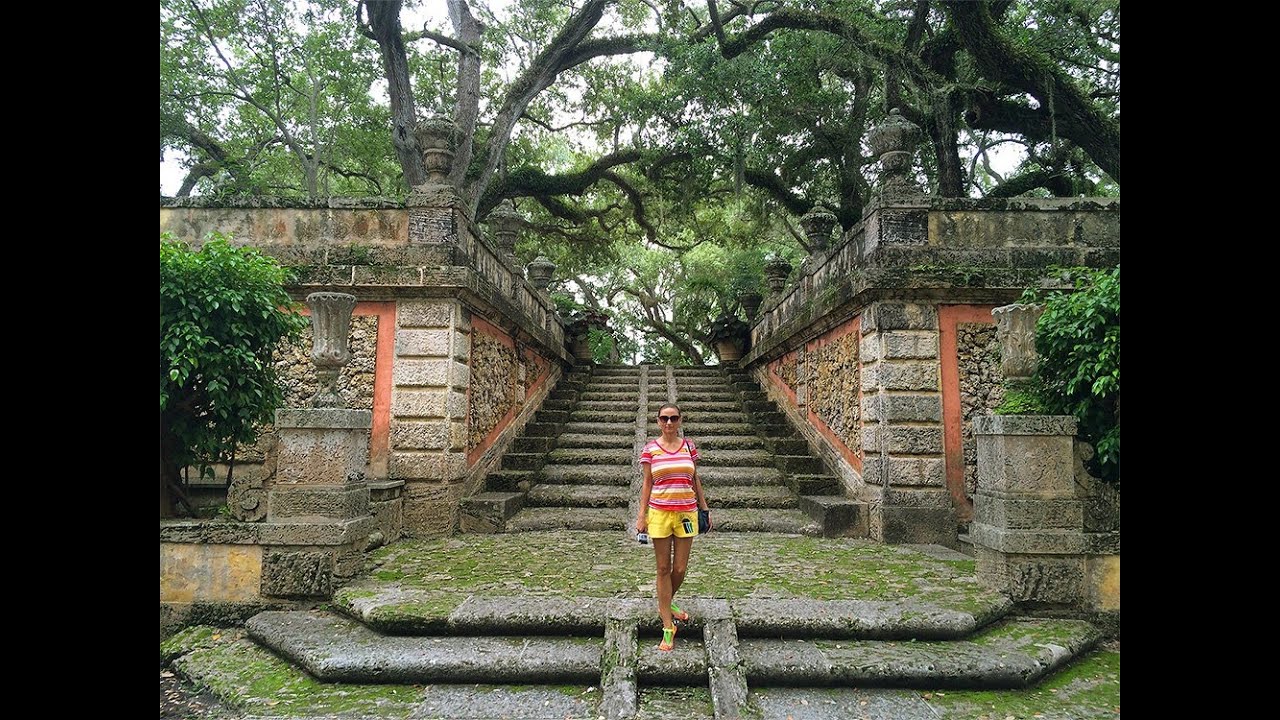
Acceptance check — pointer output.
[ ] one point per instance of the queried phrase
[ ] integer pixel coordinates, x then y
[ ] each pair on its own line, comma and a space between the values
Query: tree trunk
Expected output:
384, 19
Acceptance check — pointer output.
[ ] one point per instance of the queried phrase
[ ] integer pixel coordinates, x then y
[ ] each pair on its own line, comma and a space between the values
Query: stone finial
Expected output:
437, 137
540, 272
776, 272
331, 327
894, 141
504, 221
818, 224
1016, 330
750, 300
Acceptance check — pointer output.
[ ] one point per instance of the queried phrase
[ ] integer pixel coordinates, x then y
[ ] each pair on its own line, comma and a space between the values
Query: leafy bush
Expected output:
223, 310
1078, 340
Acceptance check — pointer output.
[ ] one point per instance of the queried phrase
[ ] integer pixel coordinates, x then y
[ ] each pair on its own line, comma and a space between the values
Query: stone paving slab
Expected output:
336, 649
865, 619
1015, 655
843, 703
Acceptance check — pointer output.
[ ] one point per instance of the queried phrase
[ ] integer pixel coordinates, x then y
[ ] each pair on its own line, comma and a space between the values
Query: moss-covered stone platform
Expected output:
782, 626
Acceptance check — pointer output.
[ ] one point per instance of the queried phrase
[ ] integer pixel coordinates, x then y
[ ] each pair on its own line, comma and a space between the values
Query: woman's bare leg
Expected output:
662, 551
680, 564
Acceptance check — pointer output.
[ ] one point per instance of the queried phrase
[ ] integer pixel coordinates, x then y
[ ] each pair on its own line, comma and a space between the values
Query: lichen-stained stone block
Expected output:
339, 502
915, 471
1038, 579
418, 402
1029, 455
882, 316
436, 342
419, 434
907, 375
421, 372
297, 574
1029, 514
426, 313
914, 440
431, 508
326, 446
908, 344
409, 465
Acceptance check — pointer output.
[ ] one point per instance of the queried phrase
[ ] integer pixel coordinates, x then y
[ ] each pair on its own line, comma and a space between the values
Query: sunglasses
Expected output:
669, 418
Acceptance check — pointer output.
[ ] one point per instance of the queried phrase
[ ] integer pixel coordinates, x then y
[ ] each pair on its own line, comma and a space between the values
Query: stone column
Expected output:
429, 411
902, 446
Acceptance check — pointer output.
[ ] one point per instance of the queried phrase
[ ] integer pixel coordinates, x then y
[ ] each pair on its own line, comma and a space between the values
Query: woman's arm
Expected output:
642, 517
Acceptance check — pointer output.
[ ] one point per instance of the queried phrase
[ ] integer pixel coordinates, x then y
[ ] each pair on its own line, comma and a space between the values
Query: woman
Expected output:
669, 504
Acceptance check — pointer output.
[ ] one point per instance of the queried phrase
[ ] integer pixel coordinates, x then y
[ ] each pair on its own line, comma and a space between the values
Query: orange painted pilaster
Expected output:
949, 316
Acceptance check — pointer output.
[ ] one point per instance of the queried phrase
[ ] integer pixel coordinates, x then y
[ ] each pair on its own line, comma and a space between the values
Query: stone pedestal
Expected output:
319, 502
1035, 530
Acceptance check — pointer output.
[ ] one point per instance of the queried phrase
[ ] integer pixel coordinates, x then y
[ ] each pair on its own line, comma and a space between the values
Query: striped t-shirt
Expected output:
672, 476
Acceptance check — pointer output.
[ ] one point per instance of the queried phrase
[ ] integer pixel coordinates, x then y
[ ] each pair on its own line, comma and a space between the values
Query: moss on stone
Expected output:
256, 681
186, 640
1087, 689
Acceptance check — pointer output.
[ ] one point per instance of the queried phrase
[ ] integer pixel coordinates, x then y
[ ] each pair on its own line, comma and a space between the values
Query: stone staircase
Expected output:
428, 628
576, 466
546, 588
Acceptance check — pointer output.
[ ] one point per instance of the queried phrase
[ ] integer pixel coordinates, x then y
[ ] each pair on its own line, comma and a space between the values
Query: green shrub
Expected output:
223, 310
1078, 340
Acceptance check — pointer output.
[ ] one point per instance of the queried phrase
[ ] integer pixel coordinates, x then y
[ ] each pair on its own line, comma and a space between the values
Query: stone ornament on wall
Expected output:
981, 388
355, 380
495, 378
834, 381
1016, 327
330, 349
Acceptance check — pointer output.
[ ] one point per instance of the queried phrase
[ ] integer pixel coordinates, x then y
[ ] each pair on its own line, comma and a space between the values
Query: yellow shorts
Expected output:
665, 523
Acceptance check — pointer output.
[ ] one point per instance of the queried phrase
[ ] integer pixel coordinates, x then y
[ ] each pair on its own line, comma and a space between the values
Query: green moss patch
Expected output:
257, 682
1088, 689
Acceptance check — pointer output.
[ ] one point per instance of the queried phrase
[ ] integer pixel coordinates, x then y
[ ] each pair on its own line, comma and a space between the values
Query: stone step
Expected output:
710, 396
612, 370
592, 456
601, 428
754, 520
710, 417
839, 516
558, 518
579, 496
533, 444
728, 442
701, 406
402, 611
734, 458
488, 512
615, 385
603, 416
523, 461
1014, 654
691, 390
587, 474
705, 427
693, 371
509, 480
336, 649
751, 496
789, 446
592, 440
716, 477
820, 484
800, 464
633, 396
609, 405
